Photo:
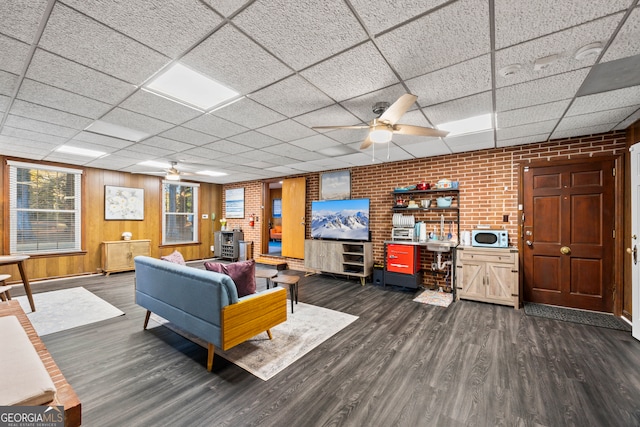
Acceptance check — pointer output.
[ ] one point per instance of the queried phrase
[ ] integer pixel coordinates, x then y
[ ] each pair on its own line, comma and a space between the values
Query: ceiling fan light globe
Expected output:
380, 135
172, 177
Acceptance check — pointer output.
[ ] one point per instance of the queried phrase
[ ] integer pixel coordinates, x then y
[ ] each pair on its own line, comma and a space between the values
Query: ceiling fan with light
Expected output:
170, 171
382, 128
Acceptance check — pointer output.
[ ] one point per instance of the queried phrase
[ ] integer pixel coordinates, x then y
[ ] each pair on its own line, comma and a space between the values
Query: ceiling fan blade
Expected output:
398, 108
366, 143
418, 130
341, 127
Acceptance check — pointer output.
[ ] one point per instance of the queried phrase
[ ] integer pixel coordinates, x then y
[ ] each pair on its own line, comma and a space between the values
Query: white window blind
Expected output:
44, 208
179, 212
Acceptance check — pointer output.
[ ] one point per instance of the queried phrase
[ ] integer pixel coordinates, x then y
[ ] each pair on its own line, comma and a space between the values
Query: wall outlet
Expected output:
212, 248
505, 218
205, 216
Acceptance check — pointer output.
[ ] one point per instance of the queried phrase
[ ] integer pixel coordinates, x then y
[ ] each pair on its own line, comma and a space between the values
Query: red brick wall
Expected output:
488, 181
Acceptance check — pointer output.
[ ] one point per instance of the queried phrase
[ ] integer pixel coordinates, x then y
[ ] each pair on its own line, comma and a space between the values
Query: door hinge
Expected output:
614, 233
614, 172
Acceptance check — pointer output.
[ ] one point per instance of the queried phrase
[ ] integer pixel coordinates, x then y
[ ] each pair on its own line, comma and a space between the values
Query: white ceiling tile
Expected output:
585, 131
76, 143
310, 166
292, 96
595, 119
402, 140
201, 153
347, 136
39, 126
353, 73
457, 81
169, 26
83, 40
215, 126
301, 33
390, 153
228, 147
254, 139
152, 105
14, 54
328, 164
60, 99
38, 147
284, 170
459, 109
33, 136
189, 136
147, 149
362, 106
471, 142
315, 142
605, 101
238, 63
387, 13
542, 91
433, 147
626, 41
46, 114
20, 21
172, 144
523, 140
131, 120
8, 83
286, 149
103, 140
67, 158
15, 149
59, 72
4, 103
536, 128
359, 159
537, 113
227, 7
337, 150
545, 16
564, 44
334, 115
306, 156
628, 121
455, 33
287, 130
249, 113
111, 162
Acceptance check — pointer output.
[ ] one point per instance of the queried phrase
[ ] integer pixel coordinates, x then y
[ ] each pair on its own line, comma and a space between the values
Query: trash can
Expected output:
245, 250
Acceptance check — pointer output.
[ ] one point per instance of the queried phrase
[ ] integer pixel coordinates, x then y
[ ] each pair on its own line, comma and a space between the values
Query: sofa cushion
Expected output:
243, 274
176, 257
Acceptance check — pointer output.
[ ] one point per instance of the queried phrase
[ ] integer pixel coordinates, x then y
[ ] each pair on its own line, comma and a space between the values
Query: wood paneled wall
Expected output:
97, 229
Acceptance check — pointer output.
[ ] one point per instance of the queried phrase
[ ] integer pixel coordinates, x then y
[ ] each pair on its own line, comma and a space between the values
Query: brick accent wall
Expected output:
488, 180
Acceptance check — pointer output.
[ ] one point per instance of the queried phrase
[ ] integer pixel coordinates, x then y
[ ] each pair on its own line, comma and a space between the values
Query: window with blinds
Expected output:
44, 208
179, 212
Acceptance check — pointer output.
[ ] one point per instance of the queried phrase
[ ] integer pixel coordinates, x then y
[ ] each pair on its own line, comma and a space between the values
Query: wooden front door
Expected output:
294, 196
568, 234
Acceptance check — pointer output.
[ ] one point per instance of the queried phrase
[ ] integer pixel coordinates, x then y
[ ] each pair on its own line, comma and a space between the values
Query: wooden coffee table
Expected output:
266, 274
292, 281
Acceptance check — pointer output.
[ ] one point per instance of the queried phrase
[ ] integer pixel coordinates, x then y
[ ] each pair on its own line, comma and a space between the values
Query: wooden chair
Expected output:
4, 289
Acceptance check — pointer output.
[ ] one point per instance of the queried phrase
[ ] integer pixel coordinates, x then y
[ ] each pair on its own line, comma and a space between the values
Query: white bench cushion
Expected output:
25, 380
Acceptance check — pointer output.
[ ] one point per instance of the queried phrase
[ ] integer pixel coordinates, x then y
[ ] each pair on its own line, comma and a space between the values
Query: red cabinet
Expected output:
403, 259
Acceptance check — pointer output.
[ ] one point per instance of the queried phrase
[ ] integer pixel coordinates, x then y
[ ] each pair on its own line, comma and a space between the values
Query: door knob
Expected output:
633, 251
565, 250
529, 243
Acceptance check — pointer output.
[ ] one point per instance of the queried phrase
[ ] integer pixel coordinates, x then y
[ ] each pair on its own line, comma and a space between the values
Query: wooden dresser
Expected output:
118, 255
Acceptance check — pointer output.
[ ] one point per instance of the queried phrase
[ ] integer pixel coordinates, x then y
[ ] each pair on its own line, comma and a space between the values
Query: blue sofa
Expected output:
206, 304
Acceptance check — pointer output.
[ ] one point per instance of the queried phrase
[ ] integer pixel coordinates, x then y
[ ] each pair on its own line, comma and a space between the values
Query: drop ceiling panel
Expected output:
458, 109
39, 126
362, 106
388, 13
238, 62
254, 139
60, 99
32, 136
147, 151
49, 115
292, 96
541, 91
605, 101
628, 121
476, 141
548, 15
585, 131
19, 21
59, 72
457, 81
303, 32
103, 140
391, 153
227, 147
287, 130
358, 159
537, 113
67, 158
168, 144
183, 134
315, 142
131, 120
169, 26
83, 40
333, 115
336, 150
111, 162
249, 113
14, 54
432, 148
4, 103
564, 44
215, 126
455, 33
595, 119
227, 7
8, 83
522, 140
526, 130
161, 108
626, 41
76, 143
352, 73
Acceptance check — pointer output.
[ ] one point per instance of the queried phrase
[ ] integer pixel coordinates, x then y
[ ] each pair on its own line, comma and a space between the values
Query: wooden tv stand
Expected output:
339, 257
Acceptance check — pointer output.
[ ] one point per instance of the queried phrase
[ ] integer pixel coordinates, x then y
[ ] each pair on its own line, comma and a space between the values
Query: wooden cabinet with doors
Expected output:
488, 274
118, 255
341, 257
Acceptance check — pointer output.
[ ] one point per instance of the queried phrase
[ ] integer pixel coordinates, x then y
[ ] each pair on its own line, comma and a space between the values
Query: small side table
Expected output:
19, 260
266, 274
292, 281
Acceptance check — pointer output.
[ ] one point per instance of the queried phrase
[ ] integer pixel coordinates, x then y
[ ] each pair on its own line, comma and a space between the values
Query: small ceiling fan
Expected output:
170, 174
382, 128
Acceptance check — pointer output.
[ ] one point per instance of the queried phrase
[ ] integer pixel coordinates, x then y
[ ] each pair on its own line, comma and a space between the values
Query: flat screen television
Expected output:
340, 219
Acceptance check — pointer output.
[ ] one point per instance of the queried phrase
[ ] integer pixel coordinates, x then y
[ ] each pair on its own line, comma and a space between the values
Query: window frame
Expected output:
195, 192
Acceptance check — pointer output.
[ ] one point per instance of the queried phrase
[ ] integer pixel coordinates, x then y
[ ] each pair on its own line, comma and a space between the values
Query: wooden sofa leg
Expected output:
146, 319
269, 333
210, 353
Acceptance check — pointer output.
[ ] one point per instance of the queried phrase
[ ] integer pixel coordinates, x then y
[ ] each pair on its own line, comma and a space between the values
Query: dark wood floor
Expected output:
400, 364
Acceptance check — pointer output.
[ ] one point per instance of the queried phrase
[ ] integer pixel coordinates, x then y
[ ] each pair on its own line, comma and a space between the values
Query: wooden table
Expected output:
292, 281
19, 260
266, 274
65, 395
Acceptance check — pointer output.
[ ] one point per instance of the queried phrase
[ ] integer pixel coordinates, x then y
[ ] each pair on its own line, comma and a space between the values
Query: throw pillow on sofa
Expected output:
176, 257
243, 274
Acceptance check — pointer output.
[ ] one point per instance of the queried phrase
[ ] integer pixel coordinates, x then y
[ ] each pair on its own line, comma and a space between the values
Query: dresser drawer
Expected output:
491, 255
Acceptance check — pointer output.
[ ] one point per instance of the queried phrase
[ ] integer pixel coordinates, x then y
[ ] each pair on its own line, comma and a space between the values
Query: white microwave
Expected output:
488, 238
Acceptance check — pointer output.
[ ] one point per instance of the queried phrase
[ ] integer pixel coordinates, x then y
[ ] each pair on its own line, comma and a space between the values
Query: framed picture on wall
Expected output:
277, 208
234, 203
335, 185
123, 203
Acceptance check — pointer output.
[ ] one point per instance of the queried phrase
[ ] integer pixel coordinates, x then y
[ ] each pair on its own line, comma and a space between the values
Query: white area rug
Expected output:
305, 329
65, 309
441, 299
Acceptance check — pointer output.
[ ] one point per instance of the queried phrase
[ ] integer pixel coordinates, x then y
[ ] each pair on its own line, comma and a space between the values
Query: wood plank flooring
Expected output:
400, 364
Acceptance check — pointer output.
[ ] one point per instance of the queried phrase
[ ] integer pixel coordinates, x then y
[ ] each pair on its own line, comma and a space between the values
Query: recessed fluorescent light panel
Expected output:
470, 125
116, 131
80, 151
191, 87
211, 173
